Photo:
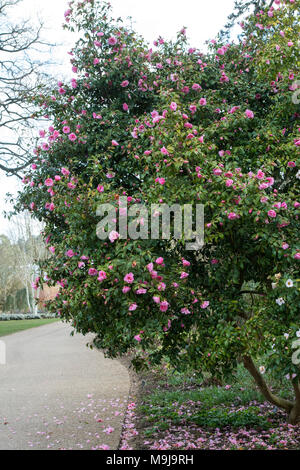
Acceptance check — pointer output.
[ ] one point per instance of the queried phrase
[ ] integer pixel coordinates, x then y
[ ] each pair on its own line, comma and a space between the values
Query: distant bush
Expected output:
27, 316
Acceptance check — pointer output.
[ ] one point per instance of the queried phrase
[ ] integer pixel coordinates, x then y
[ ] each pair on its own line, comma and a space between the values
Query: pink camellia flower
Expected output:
249, 114
133, 307
104, 447
160, 181
184, 275
156, 299
202, 102
159, 261
272, 214
229, 183
285, 246
234, 109
164, 151
102, 276
125, 107
52, 249
214, 261
150, 267
108, 430
185, 311
49, 182
185, 262
291, 164
270, 180
173, 106
138, 338
100, 188
66, 130
113, 236
129, 278
126, 289
205, 304
232, 216
297, 255
260, 175
162, 286
164, 305
72, 137
57, 178
81, 264
125, 83
93, 272
70, 253
217, 171
112, 41
114, 143
141, 291
65, 172
196, 86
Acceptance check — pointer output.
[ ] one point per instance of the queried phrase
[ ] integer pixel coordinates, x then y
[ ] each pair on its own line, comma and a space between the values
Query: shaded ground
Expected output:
179, 411
55, 393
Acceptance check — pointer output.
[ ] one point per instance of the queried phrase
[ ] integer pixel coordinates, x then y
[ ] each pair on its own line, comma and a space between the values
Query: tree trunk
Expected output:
35, 302
294, 415
292, 408
27, 298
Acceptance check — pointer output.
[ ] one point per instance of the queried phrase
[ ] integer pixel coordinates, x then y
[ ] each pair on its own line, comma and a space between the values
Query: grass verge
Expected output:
13, 326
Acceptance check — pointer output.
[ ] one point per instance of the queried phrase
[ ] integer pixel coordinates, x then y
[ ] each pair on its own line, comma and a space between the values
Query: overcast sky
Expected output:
151, 18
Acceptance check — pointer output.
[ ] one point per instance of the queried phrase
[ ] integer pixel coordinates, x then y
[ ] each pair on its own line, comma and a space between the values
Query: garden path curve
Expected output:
55, 393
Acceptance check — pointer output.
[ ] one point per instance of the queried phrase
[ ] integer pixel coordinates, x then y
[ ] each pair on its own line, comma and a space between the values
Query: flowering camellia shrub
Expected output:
171, 125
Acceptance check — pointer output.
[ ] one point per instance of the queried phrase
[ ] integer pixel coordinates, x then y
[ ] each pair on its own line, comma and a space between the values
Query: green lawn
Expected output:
12, 326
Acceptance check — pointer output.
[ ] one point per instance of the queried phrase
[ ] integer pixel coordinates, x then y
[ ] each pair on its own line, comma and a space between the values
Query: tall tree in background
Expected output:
21, 78
9, 284
29, 250
20, 254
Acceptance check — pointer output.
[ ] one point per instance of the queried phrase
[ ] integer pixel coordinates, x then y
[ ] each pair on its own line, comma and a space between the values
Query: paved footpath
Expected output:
55, 393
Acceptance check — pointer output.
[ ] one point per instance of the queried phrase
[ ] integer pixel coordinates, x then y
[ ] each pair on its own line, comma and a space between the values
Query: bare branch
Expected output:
21, 77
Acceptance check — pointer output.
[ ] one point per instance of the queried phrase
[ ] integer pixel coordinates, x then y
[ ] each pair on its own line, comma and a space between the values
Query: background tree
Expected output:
29, 250
21, 78
172, 125
9, 282
20, 254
